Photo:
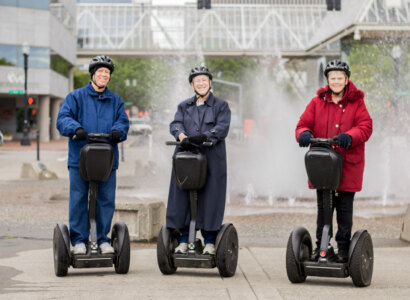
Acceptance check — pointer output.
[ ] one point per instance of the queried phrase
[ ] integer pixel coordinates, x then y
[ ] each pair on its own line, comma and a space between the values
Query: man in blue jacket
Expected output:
92, 109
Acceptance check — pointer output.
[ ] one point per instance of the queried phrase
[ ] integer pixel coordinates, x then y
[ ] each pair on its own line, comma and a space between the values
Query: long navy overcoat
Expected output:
211, 198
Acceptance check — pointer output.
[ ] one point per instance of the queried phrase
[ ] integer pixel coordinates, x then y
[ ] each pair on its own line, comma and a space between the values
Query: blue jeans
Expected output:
209, 236
78, 207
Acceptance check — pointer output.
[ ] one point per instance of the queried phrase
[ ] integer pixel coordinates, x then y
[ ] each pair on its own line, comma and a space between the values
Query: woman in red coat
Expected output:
338, 111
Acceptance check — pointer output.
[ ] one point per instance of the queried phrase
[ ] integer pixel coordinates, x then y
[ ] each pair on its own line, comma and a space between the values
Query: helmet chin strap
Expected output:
202, 95
100, 87
337, 94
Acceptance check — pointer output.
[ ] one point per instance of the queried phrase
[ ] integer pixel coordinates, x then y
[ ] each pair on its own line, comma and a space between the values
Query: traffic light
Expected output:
31, 101
334, 5
204, 4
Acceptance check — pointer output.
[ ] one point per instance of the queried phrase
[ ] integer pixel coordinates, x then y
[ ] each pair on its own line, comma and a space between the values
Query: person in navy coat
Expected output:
92, 109
203, 117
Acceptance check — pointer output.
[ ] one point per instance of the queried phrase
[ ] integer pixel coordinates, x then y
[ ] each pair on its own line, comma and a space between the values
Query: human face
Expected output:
337, 81
201, 84
102, 76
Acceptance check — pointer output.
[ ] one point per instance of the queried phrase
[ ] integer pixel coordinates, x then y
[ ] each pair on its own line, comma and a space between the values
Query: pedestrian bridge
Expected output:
285, 28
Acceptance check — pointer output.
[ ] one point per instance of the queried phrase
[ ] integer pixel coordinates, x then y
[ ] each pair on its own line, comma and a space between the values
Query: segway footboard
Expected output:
325, 269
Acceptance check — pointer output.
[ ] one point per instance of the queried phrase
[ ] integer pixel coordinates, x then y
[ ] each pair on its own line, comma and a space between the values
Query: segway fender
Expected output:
64, 232
221, 233
166, 233
120, 229
353, 242
297, 238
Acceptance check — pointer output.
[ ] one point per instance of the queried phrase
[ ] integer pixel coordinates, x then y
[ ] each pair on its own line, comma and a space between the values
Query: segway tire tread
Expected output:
165, 264
292, 266
121, 243
361, 261
61, 255
227, 253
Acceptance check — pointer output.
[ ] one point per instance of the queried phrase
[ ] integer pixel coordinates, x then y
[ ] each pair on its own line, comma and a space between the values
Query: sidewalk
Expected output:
60, 144
261, 274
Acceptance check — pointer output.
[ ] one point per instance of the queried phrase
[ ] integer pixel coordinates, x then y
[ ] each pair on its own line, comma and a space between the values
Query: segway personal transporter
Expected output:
324, 169
96, 160
189, 169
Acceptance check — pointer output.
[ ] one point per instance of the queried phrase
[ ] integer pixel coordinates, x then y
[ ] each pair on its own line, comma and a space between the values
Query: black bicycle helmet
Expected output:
337, 65
199, 71
100, 61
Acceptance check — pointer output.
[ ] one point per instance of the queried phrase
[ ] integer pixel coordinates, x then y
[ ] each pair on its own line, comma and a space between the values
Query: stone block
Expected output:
144, 217
36, 170
405, 229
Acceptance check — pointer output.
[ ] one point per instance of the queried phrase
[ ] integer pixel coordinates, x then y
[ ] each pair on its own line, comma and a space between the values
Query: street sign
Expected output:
16, 92
403, 93
127, 103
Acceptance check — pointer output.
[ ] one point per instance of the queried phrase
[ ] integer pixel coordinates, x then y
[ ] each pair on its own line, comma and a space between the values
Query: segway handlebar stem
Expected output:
174, 143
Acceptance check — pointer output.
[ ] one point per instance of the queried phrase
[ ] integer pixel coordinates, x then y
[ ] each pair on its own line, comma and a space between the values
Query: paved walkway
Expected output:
260, 275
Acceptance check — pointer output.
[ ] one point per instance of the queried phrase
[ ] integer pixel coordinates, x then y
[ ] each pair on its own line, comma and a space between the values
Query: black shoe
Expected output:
342, 256
315, 254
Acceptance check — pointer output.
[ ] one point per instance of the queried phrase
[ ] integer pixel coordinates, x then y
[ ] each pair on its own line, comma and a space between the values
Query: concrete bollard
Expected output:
144, 217
405, 229
36, 170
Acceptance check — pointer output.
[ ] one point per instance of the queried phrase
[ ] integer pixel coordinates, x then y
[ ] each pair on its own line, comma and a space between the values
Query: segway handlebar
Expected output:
174, 143
322, 141
94, 136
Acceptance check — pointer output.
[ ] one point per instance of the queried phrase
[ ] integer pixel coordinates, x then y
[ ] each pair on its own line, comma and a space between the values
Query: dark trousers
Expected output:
209, 236
343, 202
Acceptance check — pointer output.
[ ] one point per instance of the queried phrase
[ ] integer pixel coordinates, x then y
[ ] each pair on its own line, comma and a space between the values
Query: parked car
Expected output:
140, 126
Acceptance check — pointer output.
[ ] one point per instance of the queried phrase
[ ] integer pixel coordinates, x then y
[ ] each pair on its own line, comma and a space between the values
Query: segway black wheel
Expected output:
227, 252
60, 252
361, 261
165, 263
120, 241
300, 243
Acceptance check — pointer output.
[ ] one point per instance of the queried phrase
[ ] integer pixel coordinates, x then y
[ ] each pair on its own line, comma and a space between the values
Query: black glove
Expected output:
114, 136
81, 134
343, 140
186, 144
304, 138
198, 139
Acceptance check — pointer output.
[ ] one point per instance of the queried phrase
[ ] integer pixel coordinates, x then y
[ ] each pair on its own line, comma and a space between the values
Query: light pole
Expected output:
25, 141
396, 53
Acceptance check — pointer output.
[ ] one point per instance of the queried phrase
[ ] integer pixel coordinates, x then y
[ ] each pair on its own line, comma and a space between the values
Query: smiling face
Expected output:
102, 76
337, 81
201, 84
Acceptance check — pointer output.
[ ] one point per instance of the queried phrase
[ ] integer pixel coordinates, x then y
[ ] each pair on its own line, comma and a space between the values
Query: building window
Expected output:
37, 4
11, 55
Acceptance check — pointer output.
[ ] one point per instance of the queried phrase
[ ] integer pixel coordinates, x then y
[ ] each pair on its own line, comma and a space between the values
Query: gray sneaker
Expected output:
79, 249
182, 248
106, 248
209, 249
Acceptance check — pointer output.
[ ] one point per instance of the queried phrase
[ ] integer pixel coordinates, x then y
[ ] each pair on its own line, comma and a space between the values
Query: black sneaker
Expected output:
342, 256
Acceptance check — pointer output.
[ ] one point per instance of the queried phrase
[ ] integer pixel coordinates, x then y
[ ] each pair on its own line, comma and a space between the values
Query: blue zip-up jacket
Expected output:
96, 113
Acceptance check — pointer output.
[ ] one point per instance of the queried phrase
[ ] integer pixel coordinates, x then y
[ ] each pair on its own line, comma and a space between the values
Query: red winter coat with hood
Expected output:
325, 119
